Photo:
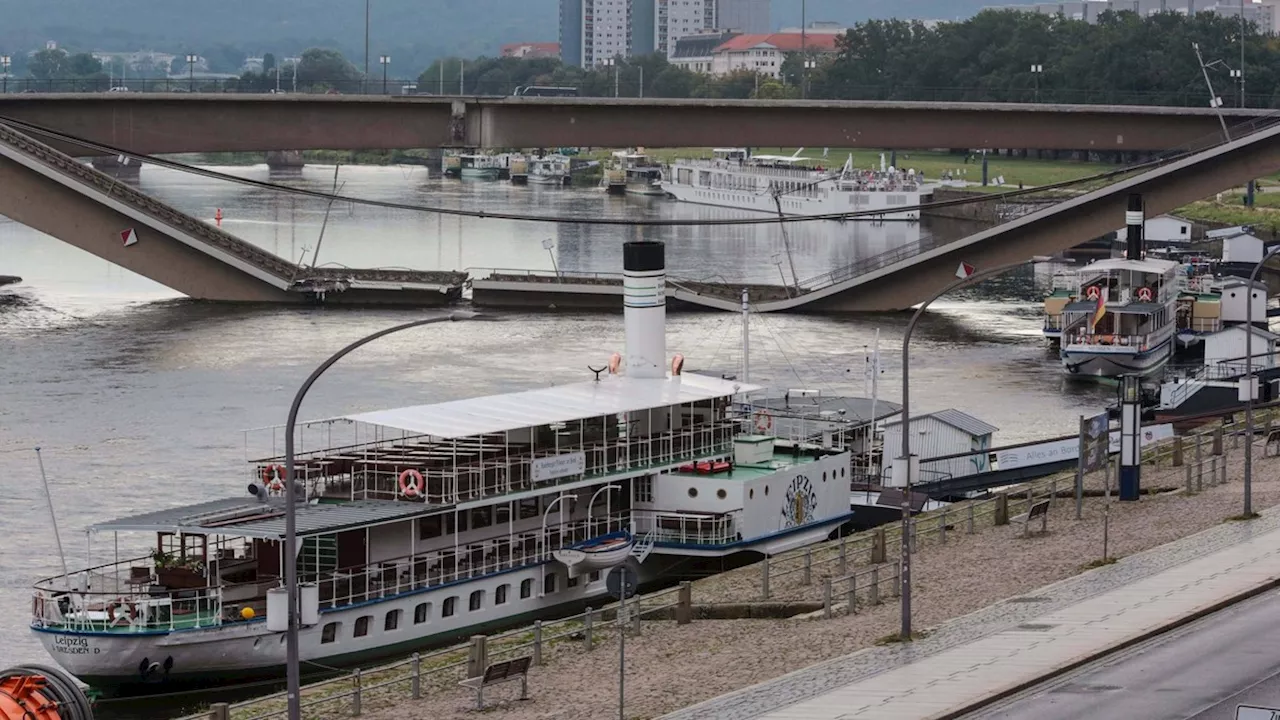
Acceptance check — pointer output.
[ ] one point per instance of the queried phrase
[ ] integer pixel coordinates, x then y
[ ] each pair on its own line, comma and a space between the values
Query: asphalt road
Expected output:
1201, 671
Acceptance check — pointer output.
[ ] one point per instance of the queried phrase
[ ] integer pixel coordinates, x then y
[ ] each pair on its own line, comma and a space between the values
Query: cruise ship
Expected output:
420, 525
789, 185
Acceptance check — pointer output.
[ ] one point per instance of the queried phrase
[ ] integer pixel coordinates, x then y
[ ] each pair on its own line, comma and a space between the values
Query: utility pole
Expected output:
804, 50
366, 44
384, 61
1036, 71
191, 72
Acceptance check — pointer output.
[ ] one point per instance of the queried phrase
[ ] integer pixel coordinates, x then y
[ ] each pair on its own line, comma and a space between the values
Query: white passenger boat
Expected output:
479, 166
735, 178
421, 525
1124, 319
549, 170
644, 176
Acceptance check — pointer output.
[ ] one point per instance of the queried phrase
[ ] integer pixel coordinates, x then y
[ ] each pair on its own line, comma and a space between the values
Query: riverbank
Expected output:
671, 666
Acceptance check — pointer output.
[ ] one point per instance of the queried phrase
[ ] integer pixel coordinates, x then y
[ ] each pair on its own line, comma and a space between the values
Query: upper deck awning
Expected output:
246, 517
579, 401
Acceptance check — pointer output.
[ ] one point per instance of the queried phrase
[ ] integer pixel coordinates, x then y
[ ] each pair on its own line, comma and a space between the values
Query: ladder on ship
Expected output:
642, 547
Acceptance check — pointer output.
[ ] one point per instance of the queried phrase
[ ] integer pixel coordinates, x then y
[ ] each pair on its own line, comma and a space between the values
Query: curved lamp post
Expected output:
1249, 379
293, 674
905, 575
592, 504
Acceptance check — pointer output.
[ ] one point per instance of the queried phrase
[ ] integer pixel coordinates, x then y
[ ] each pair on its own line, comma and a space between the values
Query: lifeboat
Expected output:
596, 554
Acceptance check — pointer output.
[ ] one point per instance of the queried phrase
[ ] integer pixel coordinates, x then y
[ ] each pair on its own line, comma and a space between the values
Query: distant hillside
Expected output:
413, 32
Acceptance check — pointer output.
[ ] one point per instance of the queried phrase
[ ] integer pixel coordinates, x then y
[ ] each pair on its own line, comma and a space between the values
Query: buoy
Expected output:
39, 692
247, 613
218, 217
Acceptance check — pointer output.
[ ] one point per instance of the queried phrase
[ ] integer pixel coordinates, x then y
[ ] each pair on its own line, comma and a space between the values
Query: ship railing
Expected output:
688, 528
92, 601
476, 558
1137, 342
1053, 322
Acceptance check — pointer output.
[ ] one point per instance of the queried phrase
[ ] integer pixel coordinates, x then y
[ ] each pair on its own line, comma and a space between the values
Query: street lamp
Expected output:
804, 82
1036, 71
191, 72
292, 669
384, 61
1251, 382
1240, 75
905, 467
4, 65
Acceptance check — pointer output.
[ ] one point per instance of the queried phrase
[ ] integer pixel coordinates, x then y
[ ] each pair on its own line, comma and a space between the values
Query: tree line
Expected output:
1121, 58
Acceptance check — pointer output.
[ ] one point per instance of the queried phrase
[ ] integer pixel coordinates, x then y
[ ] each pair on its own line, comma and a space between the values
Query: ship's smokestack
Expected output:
644, 275
1133, 220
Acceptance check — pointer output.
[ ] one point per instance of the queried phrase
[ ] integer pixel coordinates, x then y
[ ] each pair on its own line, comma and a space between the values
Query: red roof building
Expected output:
531, 50
764, 53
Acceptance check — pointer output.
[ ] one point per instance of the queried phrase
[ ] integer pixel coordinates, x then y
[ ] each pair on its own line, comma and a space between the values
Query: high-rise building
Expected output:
748, 16
592, 31
675, 19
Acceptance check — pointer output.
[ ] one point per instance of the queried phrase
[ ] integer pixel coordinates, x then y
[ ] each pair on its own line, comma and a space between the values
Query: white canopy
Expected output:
513, 411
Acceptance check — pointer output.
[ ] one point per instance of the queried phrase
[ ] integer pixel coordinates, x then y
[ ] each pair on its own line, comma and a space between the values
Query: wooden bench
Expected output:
508, 670
1272, 447
1039, 511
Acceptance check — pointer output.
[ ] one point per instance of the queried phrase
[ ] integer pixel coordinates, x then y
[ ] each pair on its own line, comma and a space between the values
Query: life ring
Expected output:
763, 420
1145, 294
615, 362
122, 603
677, 364
414, 488
273, 477
1092, 292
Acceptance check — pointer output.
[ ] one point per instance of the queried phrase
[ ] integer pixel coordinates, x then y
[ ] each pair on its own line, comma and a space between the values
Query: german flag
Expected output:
1100, 310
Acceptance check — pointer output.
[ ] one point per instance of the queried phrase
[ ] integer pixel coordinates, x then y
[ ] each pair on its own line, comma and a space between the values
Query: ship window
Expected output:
751, 494
362, 625
450, 606
528, 508
693, 492
594, 576
392, 621
462, 522
766, 489
476, 601
481, 517
421, 613
549, 584
329, 633
573, 582
824, 476
644, 489
430, 527
526, 589
500, 595
722, 494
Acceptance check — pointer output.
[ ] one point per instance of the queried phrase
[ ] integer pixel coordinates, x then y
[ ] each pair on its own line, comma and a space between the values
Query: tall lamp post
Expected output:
804, 82
903, 466
4, 65
191, 72
384, 61
366, 47
613, 63
292, 669
1251, 383
1036, 71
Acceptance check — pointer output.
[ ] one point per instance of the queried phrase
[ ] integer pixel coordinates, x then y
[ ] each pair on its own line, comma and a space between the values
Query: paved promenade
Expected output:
1011, 644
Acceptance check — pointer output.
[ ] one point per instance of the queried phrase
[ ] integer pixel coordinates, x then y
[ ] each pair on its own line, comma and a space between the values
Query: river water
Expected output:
137, 396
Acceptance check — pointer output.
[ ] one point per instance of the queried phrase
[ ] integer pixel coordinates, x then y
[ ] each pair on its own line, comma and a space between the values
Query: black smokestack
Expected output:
1133, 221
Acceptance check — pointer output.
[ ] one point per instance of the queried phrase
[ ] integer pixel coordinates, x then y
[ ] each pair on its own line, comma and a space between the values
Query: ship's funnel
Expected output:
1133, 221
645, 308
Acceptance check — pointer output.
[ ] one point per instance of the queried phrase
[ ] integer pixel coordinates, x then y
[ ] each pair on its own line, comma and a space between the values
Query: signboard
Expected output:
1250, 712
1094, 452
558, 466
622, 581
1069, 449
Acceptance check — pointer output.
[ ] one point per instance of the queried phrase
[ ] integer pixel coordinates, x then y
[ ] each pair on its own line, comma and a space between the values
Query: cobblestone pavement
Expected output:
809, 682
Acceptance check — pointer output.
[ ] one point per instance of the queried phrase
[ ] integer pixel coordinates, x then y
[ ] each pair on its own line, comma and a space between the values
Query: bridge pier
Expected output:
285, 159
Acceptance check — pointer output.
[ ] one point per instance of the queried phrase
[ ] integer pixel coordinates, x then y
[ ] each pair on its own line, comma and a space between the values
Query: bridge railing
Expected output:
169, 216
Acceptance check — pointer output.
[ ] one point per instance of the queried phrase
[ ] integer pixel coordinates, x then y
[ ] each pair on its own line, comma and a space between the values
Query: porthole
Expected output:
766, 489
751, 494
824, 476
693, 492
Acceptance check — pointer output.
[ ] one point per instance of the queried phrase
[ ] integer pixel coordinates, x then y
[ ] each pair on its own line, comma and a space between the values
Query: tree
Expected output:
268, 63
48, 64
83, 65
322, 67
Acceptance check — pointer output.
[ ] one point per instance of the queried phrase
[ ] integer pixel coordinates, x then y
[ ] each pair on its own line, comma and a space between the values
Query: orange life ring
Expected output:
1145, 294
763, 420
677, 364
411, 489
273, 477
1092, 292
615, 362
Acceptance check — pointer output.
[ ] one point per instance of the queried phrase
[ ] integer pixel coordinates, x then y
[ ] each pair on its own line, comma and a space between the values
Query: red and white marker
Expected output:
965, 270
129, 237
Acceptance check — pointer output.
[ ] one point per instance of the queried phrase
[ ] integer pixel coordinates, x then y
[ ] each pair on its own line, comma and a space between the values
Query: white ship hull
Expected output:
830, 204
549, 179
248, 650
1098, 361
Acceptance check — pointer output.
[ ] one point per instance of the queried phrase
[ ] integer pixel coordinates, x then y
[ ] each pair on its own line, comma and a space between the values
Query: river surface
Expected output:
138, 397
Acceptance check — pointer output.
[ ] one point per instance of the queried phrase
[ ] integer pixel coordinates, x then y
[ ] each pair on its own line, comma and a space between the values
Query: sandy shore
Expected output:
671, 666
